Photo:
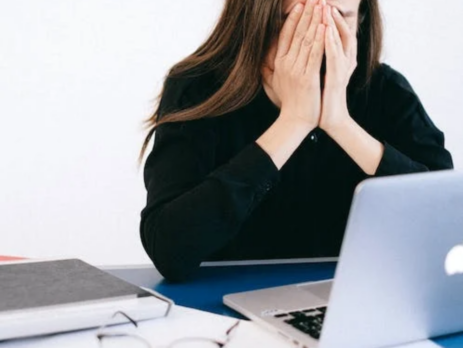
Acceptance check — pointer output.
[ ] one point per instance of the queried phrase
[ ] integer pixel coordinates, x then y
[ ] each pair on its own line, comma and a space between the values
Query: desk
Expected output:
205, 292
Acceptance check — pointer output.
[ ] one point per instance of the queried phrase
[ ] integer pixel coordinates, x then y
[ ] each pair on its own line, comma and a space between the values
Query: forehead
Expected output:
342, 5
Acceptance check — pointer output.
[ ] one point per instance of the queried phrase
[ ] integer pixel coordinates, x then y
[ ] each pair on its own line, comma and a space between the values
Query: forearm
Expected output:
364, 149
282, 139
181, 229
193, 226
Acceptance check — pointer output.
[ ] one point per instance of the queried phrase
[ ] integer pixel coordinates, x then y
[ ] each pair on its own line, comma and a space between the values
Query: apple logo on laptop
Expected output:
454, 261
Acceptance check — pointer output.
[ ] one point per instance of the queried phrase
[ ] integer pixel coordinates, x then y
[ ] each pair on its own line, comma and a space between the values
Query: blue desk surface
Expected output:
205, 292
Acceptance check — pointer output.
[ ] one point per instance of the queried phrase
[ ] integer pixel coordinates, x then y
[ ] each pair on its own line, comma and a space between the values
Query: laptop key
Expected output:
309, 311
309, 324
303, 326
281, 315
298, 314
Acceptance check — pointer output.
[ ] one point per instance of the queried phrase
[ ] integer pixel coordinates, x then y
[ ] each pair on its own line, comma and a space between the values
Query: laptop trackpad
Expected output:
319, 289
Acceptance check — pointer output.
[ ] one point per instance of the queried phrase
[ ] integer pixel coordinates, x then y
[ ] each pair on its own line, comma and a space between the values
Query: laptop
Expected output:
399, 277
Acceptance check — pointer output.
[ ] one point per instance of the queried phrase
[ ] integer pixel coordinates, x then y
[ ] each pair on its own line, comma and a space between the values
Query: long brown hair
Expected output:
235, 52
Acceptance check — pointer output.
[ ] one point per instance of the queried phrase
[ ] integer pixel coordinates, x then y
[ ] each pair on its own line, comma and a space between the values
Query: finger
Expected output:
287, 32
344, 30
329, 21
331, 48
302, 27
309, 39
318, 49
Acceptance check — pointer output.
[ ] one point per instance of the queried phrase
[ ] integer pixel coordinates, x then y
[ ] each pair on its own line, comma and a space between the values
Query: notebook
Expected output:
43, 297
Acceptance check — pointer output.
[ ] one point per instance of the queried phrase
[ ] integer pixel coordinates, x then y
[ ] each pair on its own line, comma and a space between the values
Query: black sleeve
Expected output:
413, 143
194, 209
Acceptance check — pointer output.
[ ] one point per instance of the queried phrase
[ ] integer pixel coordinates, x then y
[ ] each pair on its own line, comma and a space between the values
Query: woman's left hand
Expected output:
341, 61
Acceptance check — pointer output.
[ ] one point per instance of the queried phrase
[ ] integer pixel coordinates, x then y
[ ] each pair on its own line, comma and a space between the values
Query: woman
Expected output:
264, 132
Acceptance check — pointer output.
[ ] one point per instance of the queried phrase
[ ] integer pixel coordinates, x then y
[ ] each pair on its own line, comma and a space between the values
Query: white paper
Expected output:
182, 322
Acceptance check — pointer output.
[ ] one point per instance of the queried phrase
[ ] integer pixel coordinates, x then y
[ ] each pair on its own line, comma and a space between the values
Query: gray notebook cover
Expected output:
48, 283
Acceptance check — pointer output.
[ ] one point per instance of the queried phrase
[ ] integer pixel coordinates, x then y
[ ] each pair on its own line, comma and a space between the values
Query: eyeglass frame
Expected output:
100, 335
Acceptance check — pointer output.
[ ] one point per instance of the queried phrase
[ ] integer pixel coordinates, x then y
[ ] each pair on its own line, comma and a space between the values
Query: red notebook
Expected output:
10, 258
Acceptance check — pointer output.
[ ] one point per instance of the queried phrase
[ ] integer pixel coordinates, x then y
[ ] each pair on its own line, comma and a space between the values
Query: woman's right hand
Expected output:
298, 59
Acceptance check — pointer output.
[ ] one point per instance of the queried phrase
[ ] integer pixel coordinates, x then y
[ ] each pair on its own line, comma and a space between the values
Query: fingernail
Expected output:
298, 8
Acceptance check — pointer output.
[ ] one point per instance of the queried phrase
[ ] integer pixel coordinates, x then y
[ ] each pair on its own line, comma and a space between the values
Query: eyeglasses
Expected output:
113, 338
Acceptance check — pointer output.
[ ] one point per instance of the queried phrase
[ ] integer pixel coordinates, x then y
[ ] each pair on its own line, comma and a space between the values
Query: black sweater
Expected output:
215, 194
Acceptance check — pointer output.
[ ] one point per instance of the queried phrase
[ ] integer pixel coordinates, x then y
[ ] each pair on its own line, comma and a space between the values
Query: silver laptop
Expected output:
399, 277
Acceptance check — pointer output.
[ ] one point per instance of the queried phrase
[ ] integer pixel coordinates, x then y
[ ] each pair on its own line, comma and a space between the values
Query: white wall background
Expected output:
77, 78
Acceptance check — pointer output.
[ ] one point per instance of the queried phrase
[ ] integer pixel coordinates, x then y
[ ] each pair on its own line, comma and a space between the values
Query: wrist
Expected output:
292, 119
339, 126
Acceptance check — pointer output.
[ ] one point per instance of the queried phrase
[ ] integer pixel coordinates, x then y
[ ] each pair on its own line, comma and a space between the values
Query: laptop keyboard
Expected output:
309, 321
